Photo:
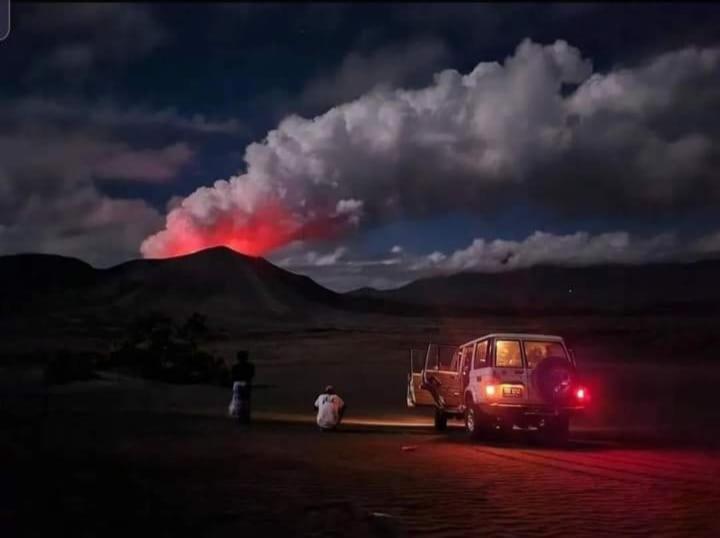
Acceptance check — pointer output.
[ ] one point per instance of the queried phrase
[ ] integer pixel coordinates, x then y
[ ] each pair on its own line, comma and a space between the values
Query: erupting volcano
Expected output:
269, 226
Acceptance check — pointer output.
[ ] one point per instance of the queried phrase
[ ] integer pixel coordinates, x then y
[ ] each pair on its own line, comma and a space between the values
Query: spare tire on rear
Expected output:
555, 378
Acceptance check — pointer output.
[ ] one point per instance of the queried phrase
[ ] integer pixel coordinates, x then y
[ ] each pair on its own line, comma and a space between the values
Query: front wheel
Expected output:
440, 420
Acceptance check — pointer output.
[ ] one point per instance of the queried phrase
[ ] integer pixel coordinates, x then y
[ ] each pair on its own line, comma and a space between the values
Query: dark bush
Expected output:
65, 366
156, 348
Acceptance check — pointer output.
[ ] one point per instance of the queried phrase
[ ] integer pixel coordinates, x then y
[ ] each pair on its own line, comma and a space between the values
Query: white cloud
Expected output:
360, 72
352, 209
707, 245
351, 271
576, 249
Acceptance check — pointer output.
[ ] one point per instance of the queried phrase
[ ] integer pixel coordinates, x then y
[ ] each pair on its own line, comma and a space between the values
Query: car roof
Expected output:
519, 336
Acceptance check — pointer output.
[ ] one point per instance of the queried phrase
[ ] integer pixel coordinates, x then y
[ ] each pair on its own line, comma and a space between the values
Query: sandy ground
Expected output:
119, 456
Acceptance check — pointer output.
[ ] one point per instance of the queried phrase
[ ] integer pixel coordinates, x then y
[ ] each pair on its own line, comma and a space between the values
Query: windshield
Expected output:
536, 351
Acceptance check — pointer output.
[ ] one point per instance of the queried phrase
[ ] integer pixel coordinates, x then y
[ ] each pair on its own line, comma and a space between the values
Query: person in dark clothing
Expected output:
242, 374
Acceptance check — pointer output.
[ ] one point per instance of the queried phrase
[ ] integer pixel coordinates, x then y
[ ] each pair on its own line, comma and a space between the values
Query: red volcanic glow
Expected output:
270, 226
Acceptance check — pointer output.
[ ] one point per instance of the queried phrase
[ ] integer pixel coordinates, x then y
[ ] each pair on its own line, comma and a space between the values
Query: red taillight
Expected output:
490, 390
580, 394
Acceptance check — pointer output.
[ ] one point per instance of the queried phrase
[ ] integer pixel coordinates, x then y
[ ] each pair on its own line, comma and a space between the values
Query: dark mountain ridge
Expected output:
599, 288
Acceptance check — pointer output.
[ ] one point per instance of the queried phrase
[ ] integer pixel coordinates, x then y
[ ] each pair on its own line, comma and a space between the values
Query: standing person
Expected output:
242, 373
330, 409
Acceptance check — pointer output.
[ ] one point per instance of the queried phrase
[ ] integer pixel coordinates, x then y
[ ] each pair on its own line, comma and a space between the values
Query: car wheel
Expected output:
440, 420
474, 423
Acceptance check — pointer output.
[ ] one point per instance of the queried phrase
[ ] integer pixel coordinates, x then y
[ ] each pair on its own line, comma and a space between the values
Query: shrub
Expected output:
65, 366
155, 348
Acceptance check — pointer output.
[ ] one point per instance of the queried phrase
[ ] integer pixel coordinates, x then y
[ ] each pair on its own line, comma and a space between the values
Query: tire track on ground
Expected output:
594, 470
641, 460
681, 481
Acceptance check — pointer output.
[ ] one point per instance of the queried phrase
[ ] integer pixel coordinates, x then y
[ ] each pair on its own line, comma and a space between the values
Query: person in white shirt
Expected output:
330, 409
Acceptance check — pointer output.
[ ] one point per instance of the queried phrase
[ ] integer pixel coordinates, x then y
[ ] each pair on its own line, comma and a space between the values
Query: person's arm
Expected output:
342, 408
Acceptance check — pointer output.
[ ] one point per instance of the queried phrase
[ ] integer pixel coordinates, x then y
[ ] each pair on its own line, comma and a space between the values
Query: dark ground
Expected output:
116, 456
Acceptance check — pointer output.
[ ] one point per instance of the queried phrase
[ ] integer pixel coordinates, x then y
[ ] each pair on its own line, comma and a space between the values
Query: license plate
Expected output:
512, 392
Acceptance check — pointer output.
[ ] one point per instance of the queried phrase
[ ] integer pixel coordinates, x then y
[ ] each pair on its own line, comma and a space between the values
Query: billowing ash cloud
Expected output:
248, 215
539, 123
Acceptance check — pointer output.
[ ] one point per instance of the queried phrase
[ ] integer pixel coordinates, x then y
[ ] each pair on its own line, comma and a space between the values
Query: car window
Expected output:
467, 356
507, 354
446, 356
455, 362
480, 360
535, 352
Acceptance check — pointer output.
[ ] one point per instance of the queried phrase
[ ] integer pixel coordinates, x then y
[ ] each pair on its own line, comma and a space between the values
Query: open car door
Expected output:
417, 396
441, 376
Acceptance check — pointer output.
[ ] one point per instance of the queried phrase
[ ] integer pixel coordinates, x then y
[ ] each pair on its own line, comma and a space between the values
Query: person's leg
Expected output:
246, 405
234, 407
249, 403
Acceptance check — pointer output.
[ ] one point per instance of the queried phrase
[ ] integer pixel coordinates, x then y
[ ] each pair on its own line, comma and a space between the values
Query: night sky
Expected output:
363, 145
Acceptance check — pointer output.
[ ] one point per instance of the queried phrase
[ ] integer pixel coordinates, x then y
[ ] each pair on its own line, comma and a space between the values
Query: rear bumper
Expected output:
529, 411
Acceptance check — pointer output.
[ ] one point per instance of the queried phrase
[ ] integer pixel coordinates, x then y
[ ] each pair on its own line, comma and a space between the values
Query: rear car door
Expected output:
465, 367
481, 370
509, 369
451, 380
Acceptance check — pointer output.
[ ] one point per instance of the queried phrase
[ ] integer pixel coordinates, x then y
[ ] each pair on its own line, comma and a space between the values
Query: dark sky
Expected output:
363, 144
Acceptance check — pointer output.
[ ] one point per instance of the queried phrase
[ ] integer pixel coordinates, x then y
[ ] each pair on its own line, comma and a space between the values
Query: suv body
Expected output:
496, 382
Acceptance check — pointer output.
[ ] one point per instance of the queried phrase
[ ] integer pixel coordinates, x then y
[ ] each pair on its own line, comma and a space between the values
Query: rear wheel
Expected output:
475, 422
440, 420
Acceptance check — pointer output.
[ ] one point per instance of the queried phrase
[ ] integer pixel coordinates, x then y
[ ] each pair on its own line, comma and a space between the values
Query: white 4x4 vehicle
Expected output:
499, 381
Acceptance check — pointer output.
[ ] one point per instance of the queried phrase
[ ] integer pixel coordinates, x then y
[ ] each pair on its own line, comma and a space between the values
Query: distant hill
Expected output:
217, 281
20, 273
661, 287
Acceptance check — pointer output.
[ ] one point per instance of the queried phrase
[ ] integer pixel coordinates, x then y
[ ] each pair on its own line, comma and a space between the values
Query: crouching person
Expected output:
243, 372
330, 409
